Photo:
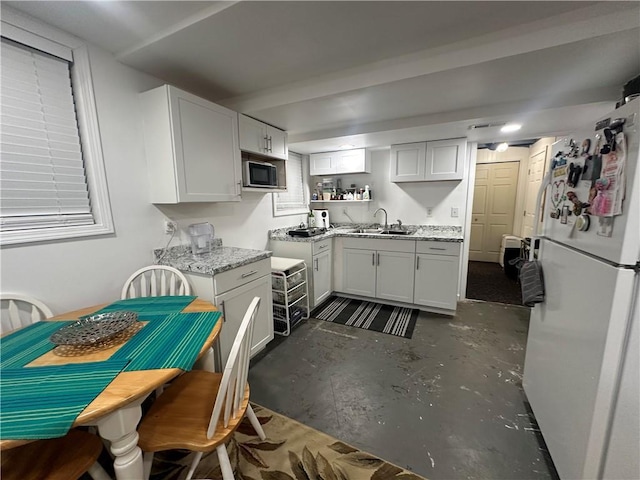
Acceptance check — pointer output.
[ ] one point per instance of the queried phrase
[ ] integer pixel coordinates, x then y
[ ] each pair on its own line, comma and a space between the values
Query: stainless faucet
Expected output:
399, 224
386, 225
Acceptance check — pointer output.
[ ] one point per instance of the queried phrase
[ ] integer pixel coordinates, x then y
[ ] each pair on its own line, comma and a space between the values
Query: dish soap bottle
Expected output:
366, 195
311, 220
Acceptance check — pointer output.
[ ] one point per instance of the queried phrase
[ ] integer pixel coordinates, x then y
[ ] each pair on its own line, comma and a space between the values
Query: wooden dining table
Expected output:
117, 411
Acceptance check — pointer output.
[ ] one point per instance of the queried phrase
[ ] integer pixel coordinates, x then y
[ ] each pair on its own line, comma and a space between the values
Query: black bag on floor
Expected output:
531, 281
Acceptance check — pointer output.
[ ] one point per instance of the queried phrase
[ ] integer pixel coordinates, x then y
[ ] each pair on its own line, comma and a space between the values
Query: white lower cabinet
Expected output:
380, 269
394, 276
379, 274
232, 291
359, 272
233, 305
321, 276
436, 276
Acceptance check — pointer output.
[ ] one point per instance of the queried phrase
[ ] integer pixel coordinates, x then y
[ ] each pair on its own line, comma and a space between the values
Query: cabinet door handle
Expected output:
437, 248
378, 259
266, 143
316, 260
270, 144
322, 246
417, 263
373, 259
248, 274
224, 317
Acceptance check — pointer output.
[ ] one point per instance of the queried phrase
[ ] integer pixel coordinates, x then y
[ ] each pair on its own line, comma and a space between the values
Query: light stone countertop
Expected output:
438, 233
219, 260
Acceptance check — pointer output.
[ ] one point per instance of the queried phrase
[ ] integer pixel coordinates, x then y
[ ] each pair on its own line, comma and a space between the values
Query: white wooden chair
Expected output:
66, 458
201, 410
154, 281
21, 310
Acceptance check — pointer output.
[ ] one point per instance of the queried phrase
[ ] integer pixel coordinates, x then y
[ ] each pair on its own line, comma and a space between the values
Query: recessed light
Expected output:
511, 127
502, 147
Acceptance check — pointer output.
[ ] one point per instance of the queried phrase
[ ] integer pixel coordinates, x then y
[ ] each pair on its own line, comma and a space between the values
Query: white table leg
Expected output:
207, 362
119, 428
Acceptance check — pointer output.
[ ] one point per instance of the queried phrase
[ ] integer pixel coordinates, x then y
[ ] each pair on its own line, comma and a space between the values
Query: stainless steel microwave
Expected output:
260, 174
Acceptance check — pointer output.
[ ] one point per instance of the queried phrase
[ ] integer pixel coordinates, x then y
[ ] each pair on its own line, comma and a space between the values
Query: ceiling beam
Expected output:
214, 9
509, 111
600, 19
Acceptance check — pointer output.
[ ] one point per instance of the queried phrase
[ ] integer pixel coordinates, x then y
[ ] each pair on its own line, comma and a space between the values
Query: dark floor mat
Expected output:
488, 282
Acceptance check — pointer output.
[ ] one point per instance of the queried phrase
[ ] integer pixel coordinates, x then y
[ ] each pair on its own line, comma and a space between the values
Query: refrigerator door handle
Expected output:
546, 181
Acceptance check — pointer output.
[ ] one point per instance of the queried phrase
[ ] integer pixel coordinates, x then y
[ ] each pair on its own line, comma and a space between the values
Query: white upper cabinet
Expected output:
192, 148
445, 159
408, 162
428, 161
340, 162
263, 139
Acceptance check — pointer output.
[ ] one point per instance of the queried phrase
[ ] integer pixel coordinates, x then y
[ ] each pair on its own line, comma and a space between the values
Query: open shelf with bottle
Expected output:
290, 293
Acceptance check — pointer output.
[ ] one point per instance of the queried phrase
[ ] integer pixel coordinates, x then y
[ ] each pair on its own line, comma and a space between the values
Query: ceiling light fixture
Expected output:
511, 127
502, 147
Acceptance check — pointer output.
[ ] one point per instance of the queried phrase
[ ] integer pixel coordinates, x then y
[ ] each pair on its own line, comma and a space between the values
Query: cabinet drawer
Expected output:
231, 279
322, 246
438, 248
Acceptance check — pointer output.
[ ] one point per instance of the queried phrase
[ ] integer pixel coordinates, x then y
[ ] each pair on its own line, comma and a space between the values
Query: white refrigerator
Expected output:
581, 373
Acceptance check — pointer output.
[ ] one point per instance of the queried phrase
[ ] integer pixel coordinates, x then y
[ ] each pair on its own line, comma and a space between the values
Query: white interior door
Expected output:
493, 209
537, 162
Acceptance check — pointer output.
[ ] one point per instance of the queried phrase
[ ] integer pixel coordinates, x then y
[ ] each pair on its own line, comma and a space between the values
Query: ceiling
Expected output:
375, 73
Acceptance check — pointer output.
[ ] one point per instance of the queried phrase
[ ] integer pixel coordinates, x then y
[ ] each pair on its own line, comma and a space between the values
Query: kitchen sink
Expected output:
395, 232
368, 230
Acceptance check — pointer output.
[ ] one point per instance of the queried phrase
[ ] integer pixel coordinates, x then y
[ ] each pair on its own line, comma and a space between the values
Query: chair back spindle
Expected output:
236, 371
154, 281
21, 310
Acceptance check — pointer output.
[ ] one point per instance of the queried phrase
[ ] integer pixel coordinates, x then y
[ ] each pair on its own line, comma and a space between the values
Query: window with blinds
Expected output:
42, 174
291, 202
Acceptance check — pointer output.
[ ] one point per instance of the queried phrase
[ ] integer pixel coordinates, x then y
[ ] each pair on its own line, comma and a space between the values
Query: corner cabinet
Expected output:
192, 148
340, 162
428, 161
258, 137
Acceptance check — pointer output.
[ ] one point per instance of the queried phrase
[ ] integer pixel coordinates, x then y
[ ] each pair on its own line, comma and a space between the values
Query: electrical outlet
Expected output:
454, 211
170, 226
429, 211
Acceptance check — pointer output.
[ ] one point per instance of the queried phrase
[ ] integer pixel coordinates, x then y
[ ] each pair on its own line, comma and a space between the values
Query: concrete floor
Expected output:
446, 404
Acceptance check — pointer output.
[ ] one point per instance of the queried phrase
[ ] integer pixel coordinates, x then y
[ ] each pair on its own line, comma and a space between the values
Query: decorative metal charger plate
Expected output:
94, 329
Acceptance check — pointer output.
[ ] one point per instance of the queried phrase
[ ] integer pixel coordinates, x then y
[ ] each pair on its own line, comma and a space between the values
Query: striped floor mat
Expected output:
397, 321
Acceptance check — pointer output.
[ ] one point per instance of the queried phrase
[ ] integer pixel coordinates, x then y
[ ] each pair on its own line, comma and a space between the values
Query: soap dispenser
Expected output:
366, 195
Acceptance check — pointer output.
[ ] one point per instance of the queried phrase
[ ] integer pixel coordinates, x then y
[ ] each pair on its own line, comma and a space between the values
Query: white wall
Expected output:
405, 201
75, 273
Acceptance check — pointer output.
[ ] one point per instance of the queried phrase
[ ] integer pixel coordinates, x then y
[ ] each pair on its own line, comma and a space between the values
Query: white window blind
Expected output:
42, 174
293, 200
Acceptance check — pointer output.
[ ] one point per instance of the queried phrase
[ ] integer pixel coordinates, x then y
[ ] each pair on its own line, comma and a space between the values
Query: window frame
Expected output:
303, 209
84, 97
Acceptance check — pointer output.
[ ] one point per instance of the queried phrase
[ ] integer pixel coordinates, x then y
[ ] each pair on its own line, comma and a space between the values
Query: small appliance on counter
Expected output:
306, 232
201, 238
322, 217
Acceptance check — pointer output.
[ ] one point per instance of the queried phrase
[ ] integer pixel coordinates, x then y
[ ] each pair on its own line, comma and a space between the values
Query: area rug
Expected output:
292, 451
487, 281
397, 321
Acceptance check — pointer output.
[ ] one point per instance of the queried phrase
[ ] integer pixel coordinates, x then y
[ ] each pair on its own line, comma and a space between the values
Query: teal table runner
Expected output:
43, 402
149, 306
25, 345
173, 342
